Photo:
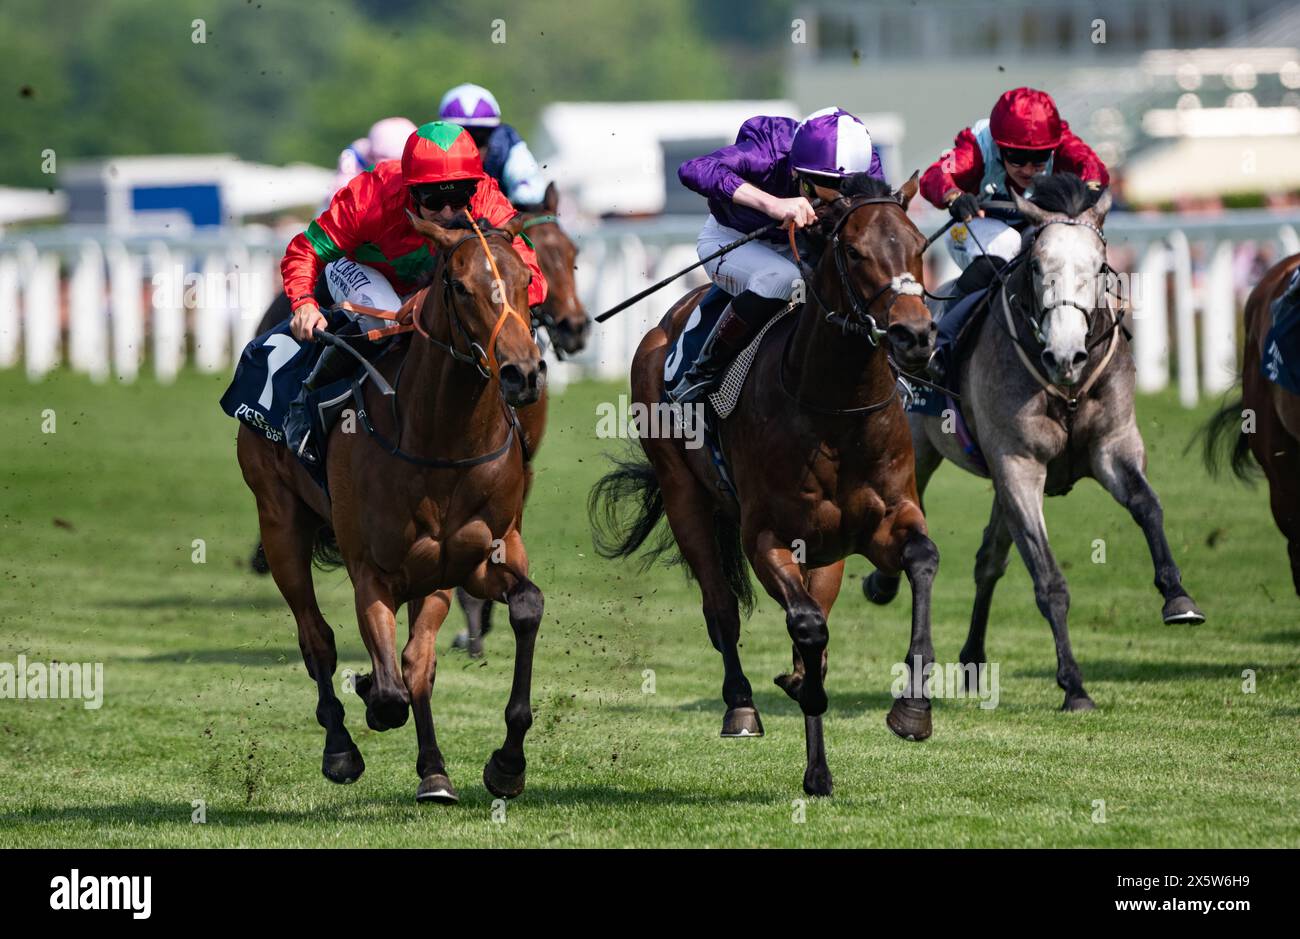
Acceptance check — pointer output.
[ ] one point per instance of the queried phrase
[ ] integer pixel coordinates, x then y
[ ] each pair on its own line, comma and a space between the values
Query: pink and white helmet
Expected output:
388, 137
470, 106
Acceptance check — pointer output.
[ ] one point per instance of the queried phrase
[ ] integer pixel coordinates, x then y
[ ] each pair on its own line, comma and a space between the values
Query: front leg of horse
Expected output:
419, 669
783, 579
1019, 482
1119, 469
387, 700
504, 772
910, 718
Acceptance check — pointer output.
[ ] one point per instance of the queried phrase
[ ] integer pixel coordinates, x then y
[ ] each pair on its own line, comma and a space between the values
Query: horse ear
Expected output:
1031, 212
551, 200
442, 237
907, 191
1101, 206
514, 226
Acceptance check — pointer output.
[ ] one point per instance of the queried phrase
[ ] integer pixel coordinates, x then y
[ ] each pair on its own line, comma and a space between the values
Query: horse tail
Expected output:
325, 554
1223, 440
625, 508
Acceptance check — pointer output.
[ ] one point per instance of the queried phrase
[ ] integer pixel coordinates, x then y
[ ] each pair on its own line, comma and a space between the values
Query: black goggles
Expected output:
1026, 157
437, 196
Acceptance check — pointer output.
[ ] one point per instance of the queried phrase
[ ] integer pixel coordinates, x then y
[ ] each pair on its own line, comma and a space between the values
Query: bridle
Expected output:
1036, 316
484, 359
859, 321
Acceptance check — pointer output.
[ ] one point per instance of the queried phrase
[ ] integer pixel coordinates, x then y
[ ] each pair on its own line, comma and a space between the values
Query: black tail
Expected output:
325, 554
1223, 440
626, 507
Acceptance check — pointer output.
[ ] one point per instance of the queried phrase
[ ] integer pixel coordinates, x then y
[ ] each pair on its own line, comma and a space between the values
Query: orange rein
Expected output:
406, 319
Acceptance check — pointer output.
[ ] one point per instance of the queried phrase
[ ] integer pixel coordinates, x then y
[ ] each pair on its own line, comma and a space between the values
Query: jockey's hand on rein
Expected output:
964, 207
306, 320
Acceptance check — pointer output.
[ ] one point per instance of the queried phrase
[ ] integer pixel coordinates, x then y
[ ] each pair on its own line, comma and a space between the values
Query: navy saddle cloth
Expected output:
269, 376
698, 326
1281, 362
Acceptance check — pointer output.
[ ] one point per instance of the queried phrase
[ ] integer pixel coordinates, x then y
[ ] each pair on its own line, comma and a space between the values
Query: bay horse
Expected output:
820, 456
565, 320
429, 499
1047, 395
1275, 438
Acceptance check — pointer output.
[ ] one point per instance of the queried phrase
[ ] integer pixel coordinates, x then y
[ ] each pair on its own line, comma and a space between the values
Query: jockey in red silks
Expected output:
371, 255
995, 157
774, 168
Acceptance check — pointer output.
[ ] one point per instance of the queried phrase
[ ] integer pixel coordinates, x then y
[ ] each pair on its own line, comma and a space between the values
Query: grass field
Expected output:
206, 697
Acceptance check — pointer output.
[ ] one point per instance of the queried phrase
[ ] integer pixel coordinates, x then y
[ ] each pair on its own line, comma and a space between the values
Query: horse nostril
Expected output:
1049, 359
902, 337
1080, 357
512, 377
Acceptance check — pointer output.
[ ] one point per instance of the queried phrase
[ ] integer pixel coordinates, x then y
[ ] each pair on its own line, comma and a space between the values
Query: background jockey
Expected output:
506, 158
1023, 137
772, 170
440, 173
385, 141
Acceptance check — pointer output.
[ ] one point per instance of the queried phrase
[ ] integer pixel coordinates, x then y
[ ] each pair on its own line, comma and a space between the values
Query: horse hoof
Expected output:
461, 642
879, 589
343, 768
908, 721
1182, 611
386, 714
742, 722
817, 782
437, 789
790, 684
499, 782
1078, 703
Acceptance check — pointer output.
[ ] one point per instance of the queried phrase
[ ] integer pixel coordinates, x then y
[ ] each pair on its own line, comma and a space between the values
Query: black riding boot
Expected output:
739, 322
978, 275
332, 365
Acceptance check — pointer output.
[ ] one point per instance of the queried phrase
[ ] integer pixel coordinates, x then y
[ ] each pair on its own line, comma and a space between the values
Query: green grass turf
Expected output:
206, 697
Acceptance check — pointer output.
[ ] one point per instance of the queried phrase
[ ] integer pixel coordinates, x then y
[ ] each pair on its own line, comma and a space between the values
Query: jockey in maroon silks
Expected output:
1022, 138
772, 170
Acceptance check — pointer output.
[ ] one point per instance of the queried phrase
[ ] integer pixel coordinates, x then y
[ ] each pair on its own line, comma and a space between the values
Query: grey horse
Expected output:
1047, 395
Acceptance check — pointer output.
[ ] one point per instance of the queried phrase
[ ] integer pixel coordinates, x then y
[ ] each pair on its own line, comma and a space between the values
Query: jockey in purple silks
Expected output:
772, 170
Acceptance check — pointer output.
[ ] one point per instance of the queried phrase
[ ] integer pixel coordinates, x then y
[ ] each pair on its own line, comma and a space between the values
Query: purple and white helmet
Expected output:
831, 142
470, 106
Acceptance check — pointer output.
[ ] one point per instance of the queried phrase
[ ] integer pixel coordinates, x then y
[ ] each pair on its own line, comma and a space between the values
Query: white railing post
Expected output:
88, 314
1290, 241
125, 283
41, 326
10, 333
1219, 323
1151, 319
211, 316
1184, 318
167, 306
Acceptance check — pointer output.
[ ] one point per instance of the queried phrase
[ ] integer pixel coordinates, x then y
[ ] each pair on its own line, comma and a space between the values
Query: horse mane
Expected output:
858, 185
1063, 194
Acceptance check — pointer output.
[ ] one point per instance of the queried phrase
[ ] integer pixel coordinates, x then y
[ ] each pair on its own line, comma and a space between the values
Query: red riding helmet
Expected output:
440, 152
1026, 119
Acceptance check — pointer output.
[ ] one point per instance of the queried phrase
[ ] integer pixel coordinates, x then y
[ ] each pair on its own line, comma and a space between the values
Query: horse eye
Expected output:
853, 252
460, 288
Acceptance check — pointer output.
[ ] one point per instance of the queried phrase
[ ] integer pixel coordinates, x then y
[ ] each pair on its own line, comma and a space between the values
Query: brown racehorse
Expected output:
562, 315
821, 458
431, 500
1275, 440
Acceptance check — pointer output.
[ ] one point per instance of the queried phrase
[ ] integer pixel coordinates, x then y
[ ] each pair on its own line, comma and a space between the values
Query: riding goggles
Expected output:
1024, 157
437, 196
